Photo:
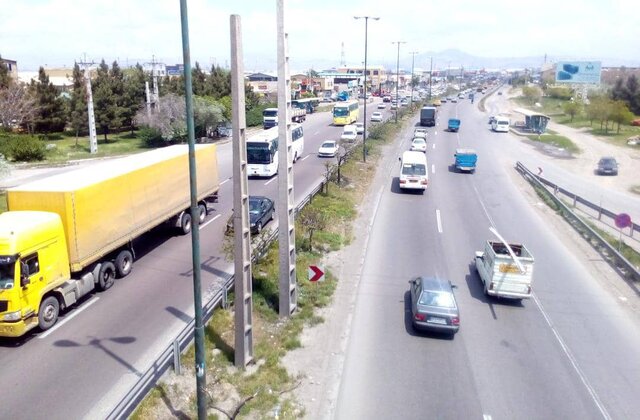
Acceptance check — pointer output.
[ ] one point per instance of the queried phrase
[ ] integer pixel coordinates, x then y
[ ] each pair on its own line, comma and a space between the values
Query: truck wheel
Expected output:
107, 275
185, 223
203, 213
124, 263
48, 313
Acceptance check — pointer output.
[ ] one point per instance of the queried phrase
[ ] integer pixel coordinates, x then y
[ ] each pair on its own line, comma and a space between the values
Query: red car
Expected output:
636, 122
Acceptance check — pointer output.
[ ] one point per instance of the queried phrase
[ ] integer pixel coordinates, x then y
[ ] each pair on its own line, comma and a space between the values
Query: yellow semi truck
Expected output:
66, 235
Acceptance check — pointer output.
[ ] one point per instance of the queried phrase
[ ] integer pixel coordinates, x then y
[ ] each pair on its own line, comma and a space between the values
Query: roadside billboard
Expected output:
578, 72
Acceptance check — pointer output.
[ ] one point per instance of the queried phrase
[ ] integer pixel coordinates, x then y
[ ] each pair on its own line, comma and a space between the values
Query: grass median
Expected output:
263, 389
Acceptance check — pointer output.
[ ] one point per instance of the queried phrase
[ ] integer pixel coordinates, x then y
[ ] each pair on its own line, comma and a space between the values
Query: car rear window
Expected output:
438, 299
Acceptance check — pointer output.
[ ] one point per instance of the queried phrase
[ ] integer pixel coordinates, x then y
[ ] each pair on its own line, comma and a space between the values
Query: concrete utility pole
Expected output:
413, 58
148, 96
288, 301
198, 330
364, 132
242, 232
397, 75
430, 76
93, 138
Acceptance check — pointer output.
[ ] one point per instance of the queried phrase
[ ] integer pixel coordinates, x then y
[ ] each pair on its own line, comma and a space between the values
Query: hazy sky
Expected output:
57, 32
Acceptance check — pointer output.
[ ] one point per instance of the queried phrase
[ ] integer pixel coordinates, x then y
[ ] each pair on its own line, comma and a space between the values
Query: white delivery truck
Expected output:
500, 124
506, 269
413, 171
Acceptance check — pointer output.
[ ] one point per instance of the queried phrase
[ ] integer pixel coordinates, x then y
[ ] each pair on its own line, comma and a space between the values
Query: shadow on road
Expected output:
98, 343
476, 288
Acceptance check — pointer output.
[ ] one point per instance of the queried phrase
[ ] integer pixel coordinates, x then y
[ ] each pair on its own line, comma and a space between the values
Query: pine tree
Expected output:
78, 114
50, 116
198, 80
116, 81
103, 100
134, 95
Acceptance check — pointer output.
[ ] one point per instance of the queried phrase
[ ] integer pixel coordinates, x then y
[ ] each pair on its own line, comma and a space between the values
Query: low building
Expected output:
12, 65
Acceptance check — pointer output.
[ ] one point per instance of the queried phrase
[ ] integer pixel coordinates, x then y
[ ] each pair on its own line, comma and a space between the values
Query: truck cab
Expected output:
33, 264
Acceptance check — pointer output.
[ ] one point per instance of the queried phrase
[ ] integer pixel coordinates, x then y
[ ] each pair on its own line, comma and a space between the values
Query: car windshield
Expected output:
255, 206
7, 275
607, 161
418, 141
413, 169
328, 144
437, 299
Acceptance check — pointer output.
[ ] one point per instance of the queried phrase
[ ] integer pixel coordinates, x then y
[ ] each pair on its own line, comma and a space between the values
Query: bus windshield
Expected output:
340, 112
259, 153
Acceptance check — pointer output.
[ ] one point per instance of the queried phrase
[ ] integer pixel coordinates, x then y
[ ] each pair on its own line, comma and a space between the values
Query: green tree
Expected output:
207, 114
172, 85
415, 81
218, 82
531, 93
50, 115
632, 90
620, 113
199, 81
133, 96
571, 108
104, 101
78, 114
116, 82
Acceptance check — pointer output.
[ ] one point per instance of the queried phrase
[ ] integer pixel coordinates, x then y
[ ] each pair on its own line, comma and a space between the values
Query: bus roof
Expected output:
345, 103
269, 134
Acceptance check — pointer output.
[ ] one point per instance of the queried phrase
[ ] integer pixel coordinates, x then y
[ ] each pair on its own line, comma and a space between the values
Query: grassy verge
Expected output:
263, 388
629, 253
635, 189
65, 147
555, 140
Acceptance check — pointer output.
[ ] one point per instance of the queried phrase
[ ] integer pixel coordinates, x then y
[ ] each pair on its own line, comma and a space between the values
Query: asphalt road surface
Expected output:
84, 365
568, 353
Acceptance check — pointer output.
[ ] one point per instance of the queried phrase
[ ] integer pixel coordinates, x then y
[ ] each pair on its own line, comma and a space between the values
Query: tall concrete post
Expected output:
285, 205
93, 137
242, 234
148, 104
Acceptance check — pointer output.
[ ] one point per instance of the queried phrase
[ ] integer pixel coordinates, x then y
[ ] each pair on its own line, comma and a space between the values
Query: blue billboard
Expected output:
578, 72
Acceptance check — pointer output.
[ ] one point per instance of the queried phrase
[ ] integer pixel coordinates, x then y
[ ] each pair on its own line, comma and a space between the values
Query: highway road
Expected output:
84, 365
570, 352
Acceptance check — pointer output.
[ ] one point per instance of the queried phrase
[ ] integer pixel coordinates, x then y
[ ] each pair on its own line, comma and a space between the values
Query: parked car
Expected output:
453, 99
328, 148
394, 105
433, 305
419, 144
376, 117
382, 105
607, 166
261, 211
359, 127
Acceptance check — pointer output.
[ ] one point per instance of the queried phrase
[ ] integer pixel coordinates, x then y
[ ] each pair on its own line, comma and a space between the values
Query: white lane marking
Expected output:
483, 207
70, 317
434, 145
573, 360
316, 133
304, 158
225, 181
271, 180
207, 223
433, 168
435, 132
486, 417
439, 221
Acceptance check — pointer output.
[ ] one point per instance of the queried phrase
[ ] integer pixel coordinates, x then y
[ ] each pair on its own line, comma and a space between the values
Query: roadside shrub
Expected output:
558, 92
22, 148
151, 137
254, 115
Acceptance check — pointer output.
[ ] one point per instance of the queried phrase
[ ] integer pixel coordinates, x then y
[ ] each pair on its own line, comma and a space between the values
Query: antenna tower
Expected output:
343, 62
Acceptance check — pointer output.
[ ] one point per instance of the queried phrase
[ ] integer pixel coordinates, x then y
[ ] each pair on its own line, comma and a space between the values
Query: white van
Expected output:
413, 171
349, 133
500, 123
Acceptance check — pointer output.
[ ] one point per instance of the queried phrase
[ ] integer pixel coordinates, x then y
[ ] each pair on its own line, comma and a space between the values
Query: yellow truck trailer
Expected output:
68, 234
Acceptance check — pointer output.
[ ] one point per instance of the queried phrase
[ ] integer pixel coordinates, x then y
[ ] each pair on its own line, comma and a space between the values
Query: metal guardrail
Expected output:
577, 199
170, 356
617, 260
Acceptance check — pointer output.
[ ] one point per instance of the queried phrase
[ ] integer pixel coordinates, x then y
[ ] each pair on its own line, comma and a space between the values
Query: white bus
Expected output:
262, 150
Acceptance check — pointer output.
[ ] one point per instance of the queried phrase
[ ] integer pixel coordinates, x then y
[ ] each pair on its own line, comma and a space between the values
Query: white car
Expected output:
418, 144
376, 117
328, 148
382, 105
349, 133
359, 127
420, 132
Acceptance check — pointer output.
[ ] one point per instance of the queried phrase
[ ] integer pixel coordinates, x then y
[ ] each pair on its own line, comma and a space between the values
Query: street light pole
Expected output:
430, 76
397, 74
364, 123
413, 59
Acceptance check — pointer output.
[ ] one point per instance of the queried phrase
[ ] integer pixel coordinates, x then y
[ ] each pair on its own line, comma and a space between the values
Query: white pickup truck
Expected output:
506, 270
